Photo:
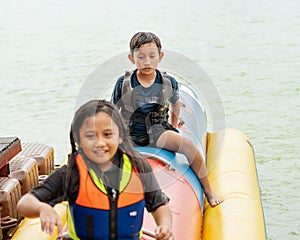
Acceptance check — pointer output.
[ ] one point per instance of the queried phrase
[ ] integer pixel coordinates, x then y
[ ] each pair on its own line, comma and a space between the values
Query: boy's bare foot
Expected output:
213, 199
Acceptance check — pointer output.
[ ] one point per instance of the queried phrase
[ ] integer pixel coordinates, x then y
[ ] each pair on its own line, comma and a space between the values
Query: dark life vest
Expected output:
130, 98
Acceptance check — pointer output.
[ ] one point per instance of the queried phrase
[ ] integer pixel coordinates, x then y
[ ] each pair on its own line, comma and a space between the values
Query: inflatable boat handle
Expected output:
160, 159
145, 232
63, 236
148, 233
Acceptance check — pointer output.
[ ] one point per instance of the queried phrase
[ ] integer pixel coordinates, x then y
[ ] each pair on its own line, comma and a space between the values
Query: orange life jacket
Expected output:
97, 215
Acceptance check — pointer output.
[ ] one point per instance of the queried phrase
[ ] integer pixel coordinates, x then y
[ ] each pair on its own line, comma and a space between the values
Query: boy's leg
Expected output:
175, 142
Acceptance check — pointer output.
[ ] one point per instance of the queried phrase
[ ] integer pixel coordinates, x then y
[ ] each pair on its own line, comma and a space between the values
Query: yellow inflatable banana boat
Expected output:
231, 169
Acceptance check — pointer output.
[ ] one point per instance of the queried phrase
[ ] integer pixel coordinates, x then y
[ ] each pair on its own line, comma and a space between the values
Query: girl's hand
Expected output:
163, 233
49, 219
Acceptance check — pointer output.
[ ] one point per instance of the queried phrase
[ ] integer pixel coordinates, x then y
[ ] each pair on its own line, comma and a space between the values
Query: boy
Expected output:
145, 97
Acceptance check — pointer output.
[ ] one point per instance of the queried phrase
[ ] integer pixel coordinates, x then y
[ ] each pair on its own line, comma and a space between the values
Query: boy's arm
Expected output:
174, 113
117, 90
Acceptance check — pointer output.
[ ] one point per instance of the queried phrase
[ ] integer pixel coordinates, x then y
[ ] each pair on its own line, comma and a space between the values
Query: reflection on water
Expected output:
250, 49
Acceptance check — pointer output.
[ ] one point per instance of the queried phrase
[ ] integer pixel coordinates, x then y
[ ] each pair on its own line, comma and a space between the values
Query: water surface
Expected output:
250, 50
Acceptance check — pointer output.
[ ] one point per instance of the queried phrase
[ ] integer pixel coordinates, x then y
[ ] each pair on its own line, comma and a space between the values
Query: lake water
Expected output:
250, 50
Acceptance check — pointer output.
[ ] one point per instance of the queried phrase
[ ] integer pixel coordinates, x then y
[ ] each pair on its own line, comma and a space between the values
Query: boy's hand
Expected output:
163, 233
180, 122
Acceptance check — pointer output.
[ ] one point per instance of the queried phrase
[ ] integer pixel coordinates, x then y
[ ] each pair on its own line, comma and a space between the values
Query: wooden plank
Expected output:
9, 147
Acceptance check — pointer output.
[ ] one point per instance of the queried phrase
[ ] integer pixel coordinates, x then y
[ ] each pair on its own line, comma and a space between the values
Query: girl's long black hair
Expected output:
87, 110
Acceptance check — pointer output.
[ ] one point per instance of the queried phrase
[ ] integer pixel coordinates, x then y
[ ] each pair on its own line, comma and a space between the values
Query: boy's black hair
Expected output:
141, 38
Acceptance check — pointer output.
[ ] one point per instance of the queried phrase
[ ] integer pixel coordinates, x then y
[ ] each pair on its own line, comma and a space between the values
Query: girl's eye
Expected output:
108, 134
90, 136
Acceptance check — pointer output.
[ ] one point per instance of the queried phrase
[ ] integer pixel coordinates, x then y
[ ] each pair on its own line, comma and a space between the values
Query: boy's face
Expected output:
99, 139
146, 58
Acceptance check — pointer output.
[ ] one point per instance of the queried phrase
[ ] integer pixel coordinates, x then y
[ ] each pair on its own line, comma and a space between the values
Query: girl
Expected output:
106, 183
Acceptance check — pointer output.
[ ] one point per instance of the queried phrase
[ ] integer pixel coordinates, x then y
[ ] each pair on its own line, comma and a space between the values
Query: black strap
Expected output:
89, 227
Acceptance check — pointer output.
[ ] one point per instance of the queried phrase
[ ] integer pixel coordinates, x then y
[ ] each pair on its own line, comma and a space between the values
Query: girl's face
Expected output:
146, 58
99, 139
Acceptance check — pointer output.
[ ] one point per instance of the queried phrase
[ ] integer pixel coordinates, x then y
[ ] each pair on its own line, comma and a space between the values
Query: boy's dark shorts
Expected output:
155, 132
